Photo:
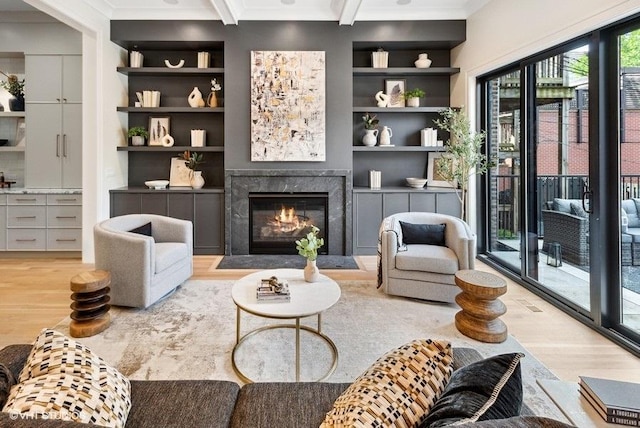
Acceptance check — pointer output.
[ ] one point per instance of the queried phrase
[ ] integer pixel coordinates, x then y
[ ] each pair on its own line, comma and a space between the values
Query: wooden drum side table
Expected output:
90, 306
480, 306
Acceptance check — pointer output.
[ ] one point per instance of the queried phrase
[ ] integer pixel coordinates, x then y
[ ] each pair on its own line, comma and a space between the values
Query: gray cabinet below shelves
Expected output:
204, 208
371, 207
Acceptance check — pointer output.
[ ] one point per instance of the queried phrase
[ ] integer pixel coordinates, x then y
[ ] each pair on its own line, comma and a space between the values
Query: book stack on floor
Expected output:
273, 290
616, 401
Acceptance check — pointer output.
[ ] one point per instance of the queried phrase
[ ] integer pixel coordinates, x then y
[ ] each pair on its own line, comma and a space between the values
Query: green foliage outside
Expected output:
629, 55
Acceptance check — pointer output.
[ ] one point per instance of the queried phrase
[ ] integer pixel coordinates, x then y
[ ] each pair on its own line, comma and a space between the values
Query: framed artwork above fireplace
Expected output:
288, 106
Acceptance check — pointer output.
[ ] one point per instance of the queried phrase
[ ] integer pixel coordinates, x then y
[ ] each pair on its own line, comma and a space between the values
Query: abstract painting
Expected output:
288, 106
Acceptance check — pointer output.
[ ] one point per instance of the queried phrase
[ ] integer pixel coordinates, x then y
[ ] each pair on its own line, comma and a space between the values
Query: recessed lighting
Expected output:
288, 2
403, 2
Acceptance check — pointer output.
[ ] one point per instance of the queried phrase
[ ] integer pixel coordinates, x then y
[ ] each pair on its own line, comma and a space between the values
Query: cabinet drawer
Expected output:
26, 239
64, 199
25, 216
26, 199
62, 216
64, 239
3, 199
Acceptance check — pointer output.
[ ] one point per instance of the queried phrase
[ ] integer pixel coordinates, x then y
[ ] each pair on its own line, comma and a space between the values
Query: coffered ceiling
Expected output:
345, 12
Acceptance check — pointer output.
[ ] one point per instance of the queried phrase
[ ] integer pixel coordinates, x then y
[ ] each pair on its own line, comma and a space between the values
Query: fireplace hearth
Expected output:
277, 220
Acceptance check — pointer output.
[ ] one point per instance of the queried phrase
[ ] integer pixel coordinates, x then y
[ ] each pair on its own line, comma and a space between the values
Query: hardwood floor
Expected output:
34, 294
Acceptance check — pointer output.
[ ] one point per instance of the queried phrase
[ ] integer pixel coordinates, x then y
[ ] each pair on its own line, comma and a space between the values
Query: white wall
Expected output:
102, 90
505, 31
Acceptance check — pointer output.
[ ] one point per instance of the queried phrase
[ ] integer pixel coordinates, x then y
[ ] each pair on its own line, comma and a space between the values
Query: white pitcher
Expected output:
385, 136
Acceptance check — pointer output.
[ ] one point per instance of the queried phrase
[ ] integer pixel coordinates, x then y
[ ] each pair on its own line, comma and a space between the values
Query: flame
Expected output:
288, 221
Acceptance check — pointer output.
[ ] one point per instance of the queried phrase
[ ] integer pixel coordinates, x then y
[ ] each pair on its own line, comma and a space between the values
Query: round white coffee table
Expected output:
307, 299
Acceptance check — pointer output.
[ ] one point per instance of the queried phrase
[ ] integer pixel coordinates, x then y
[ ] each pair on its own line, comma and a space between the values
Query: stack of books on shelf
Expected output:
273, 290
616, 401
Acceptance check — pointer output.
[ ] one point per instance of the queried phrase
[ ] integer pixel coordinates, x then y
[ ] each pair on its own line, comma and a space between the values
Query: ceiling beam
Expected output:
349, 11
224, 9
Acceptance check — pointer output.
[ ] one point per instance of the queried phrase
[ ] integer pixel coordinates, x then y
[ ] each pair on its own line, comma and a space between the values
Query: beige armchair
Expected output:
144, 268
424, 271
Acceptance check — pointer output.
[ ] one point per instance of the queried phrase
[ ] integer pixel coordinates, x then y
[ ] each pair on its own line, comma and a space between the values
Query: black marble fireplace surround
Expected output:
240, 182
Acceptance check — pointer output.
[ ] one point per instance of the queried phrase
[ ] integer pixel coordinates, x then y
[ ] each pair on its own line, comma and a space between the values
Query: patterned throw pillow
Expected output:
397, 390
63, 379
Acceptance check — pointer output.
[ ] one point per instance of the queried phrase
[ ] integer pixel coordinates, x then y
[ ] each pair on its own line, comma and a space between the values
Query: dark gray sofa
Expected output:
213, 403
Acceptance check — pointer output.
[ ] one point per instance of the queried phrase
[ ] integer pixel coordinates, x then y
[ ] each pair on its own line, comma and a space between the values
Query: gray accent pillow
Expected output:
562, 205
576, 209
484, 390
7, 380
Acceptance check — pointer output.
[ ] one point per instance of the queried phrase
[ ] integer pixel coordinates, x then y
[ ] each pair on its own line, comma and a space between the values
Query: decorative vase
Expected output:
212, 99
385, 136
423, 61
413, 102
311, 271
197, 180
137, 140
195, 98
16, 103
370, 137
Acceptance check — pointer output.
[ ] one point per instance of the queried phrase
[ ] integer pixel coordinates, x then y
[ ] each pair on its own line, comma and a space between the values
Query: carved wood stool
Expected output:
481, 308
90, 306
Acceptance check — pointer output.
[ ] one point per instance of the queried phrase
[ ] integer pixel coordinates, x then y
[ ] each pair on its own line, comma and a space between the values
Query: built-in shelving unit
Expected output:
172, 149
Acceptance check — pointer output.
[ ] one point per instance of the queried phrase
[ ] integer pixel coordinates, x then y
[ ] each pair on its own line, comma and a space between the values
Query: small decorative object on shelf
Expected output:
193, 159
382, 99
385, 136
371, 132
308, 248
195, 98
148, 98
412, 96
380, 59
135, 59
273, 290
423, 61
429, 138
375, 179
167, 141
203, 59
15, 87
180, 64
138, 135
197, 137
212, 99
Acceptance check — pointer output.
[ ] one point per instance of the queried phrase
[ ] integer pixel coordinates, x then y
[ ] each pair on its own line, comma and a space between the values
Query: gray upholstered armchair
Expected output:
144, 268
425, 271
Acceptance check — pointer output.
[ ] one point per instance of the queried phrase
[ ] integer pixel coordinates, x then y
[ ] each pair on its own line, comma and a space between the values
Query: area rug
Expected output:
191, 334
270, 261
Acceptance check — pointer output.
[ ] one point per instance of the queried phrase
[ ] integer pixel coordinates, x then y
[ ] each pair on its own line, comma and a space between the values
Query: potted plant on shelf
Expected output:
463, 155
138, 135
16, 88
412, 96
192, 160
308, 248
371, 129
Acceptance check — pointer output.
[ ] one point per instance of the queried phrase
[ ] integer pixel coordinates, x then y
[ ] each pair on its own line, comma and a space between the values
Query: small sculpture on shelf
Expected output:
423, 61
382, 99
195, 98
371, 132
180, 64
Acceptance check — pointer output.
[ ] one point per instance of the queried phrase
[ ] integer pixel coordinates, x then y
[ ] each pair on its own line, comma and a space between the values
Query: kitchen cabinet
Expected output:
54, 78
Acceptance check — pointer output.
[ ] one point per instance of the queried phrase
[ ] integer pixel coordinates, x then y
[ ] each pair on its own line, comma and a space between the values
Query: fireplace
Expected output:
277, 220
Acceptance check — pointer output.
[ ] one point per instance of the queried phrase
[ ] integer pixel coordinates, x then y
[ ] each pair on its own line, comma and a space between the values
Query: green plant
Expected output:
308, 246
14, 86
370, 121
193, 159
138, 131
413, 93
463, 155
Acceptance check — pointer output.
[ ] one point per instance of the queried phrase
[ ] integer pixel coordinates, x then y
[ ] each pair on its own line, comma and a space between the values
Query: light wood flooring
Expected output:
34, 293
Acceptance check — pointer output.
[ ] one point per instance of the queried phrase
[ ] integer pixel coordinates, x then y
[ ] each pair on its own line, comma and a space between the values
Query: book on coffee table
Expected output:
268, 293
616, 401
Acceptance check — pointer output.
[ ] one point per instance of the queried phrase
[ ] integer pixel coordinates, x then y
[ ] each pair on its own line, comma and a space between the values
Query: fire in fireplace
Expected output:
276, 220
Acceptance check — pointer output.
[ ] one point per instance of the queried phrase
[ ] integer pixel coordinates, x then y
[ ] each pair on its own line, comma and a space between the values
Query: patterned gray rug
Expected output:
190, 335
269, 261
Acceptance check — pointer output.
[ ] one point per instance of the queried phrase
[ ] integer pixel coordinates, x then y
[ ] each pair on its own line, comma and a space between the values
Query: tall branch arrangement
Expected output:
463, 155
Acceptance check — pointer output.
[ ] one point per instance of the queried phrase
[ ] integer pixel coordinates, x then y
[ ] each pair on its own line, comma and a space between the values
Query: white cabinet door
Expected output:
71, 146
53, 78
43, 165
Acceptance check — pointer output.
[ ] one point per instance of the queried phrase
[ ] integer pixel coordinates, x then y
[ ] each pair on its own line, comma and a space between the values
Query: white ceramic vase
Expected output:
423, 61
370, 137
311, 271
385, 136
197, 180
413, 102
137, 140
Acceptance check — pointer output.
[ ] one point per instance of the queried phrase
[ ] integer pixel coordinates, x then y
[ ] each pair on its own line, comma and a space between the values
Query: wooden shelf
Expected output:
169, 149
397, 149
405, 110
405, 71
166, 71
206, 110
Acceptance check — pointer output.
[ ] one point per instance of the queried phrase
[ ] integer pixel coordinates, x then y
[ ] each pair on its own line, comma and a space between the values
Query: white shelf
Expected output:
12, 114
11, 149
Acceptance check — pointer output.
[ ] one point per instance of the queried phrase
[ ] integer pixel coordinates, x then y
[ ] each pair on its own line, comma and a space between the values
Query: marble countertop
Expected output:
22, 190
